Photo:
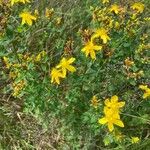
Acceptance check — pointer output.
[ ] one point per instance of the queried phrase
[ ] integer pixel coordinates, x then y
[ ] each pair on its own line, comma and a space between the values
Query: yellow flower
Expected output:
146, 89
14, 1
49, 12
13, 74
27, 18
36, 12
111, 117
94, 102
17, 87
6, 61
102, 33
56, 75
17, 1
128, 62
113, 103
58, 20
139, 7
24, 1
134, 140
114, 8
65, 64
39, 56
105, 1
90, 49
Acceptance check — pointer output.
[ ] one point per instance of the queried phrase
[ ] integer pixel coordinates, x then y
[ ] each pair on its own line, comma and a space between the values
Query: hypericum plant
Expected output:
63, 62
111, 111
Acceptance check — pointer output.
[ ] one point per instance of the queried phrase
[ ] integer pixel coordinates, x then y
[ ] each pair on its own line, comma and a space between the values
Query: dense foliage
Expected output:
74, 74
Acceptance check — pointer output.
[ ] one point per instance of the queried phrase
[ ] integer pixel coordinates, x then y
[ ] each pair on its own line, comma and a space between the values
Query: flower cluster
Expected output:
95, 102
23, 60
146, 89
111, 111
49, 13
18, 87
138, 7
27, 18
130, 74
90, 47
15, 69
19, 1
60, 71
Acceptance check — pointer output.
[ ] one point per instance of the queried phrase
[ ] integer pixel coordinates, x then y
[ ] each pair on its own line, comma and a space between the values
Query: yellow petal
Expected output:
143, 87
107, 102
121, 104
71, 60
64, 72
58, 66
114, 98
116, 114
145, 95
23, 21
71, 68
52, 79
57, 80
29, 22
83, 49
87, 53
119, 123
12, 2
94, 37
102, 121
97, 48
110, 127
92, 54
33, 17
105, 38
